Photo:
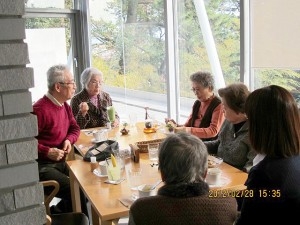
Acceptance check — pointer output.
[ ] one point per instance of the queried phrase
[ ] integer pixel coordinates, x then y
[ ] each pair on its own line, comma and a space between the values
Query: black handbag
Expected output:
101, 150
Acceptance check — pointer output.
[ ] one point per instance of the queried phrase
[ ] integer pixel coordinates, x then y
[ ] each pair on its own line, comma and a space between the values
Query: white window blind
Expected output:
275, 30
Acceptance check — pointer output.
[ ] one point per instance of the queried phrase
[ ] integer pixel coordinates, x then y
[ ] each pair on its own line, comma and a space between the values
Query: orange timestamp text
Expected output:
247, 193
231, 193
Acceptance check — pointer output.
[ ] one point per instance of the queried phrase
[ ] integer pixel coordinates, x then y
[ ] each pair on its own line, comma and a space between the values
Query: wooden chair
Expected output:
72, 218
49, 198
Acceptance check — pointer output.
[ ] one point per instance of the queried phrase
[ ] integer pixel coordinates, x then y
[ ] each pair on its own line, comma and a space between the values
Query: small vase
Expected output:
171, 129
148, 124
124, 131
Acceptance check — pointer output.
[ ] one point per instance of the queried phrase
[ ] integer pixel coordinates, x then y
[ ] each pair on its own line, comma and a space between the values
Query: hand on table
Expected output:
170, 120
180, 129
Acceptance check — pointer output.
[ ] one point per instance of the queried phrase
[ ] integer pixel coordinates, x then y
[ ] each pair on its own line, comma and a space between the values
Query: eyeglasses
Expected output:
97, 82
195, 89
198, 88
72, 83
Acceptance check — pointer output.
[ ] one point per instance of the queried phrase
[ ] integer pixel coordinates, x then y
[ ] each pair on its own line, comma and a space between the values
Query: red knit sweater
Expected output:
55, 125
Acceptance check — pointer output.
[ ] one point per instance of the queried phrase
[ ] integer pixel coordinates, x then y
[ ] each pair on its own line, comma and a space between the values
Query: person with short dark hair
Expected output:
184, 197
89, 106
233, 144
274, 180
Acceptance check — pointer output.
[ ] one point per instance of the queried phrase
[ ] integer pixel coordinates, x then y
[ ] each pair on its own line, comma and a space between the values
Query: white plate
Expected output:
214, 161
94, 141
114, 182
88, 132
98, 173
223, 181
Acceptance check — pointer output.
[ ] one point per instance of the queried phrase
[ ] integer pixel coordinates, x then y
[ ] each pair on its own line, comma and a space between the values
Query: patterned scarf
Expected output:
94, 100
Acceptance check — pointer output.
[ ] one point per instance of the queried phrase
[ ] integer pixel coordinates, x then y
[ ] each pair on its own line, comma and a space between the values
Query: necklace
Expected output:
237, 127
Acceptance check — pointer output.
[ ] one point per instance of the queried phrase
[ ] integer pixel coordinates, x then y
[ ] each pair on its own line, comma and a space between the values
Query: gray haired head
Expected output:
205, 79
182, 159
87, 75
55, 74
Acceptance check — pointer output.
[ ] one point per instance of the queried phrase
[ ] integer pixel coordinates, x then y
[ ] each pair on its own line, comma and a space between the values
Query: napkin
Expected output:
127, 202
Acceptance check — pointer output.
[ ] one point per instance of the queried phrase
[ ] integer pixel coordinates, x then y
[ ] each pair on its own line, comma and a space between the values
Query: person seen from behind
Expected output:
184, 197
274, 180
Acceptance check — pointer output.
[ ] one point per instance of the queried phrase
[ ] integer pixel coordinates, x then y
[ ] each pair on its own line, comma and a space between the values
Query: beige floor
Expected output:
122, 221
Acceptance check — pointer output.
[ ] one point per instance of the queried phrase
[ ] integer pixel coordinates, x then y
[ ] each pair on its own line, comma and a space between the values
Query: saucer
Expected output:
222, 182
95, 141
88, 132
149, 130
114, 182
98, 173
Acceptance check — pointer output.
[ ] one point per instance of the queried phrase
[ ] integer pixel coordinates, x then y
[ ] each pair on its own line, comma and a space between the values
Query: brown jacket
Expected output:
183, 204
96, 117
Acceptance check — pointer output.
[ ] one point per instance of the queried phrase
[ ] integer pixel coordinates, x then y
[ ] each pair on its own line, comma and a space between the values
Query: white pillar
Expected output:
210, 44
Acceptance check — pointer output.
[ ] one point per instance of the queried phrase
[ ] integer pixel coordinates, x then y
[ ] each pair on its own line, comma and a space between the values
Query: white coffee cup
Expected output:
144, 191
97, 135
103, 169
100, 135
108, 125
213, 176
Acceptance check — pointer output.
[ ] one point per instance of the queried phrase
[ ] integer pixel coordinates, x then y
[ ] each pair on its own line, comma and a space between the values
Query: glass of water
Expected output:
153, 153
134, 178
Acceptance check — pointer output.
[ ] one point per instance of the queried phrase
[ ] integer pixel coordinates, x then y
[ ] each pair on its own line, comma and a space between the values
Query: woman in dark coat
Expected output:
184, 198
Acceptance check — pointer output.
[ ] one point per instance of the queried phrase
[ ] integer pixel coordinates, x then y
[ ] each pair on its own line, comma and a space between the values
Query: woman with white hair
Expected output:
89, 106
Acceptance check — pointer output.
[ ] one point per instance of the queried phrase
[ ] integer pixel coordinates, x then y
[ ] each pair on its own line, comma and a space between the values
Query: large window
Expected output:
147, 49
58, 4
129, 46
57, 33
208, 39
51, 39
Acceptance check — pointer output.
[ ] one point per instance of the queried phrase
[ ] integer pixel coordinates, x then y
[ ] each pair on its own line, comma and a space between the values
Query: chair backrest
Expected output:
49, 220
49, 198
72, 218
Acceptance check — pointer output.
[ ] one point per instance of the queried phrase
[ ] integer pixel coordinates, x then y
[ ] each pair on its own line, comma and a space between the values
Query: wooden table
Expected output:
104, 198
136, 134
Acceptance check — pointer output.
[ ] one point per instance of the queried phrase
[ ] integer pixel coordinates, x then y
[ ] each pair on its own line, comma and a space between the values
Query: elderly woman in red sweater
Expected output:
207, 115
